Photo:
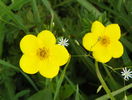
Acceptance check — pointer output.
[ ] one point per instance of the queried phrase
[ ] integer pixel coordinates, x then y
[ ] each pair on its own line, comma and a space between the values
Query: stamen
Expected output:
105, 40
42, 53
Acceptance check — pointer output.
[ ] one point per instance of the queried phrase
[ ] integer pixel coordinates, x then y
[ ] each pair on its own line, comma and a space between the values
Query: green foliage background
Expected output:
81, 78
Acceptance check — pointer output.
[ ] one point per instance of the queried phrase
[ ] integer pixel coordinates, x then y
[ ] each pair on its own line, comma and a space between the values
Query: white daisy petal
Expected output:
63, 41
126, 73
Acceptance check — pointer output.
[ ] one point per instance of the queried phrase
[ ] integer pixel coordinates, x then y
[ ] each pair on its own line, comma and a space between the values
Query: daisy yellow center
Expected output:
104, 40
42, 53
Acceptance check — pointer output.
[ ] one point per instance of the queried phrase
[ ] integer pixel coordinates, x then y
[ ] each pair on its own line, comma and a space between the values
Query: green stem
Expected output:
103, 82
88, 55
52, 22
115, 92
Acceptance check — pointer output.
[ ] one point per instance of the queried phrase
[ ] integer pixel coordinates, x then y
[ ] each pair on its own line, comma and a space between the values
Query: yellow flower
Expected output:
42, 54
104, 41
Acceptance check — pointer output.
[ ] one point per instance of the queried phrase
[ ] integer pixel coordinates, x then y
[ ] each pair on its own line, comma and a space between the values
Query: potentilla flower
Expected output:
126, 73
104, 41
42, 54
63, 41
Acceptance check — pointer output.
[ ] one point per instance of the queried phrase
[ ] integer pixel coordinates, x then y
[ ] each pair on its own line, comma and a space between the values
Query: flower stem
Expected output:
105, 97
103, 82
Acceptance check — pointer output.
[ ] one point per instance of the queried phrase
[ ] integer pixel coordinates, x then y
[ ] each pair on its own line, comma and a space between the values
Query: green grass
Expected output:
81, 78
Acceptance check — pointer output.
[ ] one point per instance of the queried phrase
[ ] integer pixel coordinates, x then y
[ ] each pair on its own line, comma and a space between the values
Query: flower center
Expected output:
126, 74
42, 53
105, 41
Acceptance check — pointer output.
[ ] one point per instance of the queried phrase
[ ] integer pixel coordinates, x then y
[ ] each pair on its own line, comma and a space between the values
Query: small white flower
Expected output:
126, 73
63, 41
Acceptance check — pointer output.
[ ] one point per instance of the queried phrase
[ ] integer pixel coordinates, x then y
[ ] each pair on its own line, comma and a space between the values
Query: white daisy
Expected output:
63, 41
126, 73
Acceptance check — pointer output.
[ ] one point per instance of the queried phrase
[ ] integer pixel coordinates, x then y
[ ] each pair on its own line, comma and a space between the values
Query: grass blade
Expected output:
17, 4
61, 80
126, 59
12, 16
77, 93
36, 13
115, 85
105, 97
17, 69
89, 7
48, 6
2, 35
127, 43
20, 94
85, 59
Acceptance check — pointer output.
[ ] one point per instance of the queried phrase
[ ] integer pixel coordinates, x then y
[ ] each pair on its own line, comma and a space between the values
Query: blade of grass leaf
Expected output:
63, 3
9, 86
9, 13
114, 84
18, 3
119, 4
126, 59
85, 59
59, 83
18, 70
20, 94
89, 7
113, 69
70, 82
108, 73
36, 13
30, 81
7, 22
127, 43
103, 82
111, 82
48, 6
114, 93
53, 14
77, 93
2, 35
9, 65
73, 87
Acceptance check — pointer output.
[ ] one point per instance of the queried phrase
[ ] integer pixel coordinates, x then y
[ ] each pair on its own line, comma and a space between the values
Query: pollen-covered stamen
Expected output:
104, 40
42, 53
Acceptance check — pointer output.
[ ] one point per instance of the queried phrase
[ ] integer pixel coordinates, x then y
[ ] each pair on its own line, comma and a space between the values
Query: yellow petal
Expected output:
116, 48
48, 69
97, 28
28, 44
113, 31
102, 54
59, 55
46, 38
89, 41
29, 64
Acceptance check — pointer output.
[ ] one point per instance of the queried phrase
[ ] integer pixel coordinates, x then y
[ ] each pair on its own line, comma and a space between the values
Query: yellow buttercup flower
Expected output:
104, 41
42, 54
